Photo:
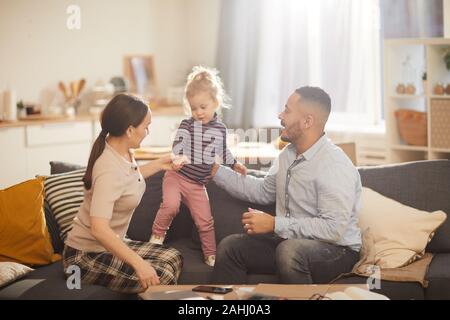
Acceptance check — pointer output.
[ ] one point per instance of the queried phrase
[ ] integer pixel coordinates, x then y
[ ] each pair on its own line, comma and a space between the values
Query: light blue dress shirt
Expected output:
317, 194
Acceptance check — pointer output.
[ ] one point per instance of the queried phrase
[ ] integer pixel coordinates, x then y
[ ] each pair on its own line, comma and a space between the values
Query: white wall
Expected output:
37, 50
203, 29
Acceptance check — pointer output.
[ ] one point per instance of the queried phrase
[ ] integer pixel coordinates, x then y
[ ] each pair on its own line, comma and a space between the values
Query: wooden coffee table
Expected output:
289, 291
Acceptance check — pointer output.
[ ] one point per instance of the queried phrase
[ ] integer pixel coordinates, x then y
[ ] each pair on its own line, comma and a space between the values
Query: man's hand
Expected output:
258, 222
239, 167
214, 169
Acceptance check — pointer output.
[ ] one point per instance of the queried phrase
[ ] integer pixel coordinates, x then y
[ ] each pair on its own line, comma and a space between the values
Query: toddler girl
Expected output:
202, 140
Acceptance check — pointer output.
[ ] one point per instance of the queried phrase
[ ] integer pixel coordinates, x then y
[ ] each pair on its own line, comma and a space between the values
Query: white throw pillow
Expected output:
11, 271
400, 233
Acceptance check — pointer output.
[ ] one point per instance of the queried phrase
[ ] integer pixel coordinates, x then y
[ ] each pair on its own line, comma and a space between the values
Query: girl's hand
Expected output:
239, 167
147, 274
179, 161
172, 162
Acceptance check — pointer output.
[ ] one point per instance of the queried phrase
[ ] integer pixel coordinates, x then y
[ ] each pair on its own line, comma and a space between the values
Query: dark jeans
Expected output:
299, 261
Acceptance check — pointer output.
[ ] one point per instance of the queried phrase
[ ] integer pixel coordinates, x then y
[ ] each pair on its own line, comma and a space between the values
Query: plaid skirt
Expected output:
103, 268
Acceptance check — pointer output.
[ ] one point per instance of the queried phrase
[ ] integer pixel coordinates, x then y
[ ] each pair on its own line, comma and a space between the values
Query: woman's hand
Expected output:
147, 274
173, 162
239, 167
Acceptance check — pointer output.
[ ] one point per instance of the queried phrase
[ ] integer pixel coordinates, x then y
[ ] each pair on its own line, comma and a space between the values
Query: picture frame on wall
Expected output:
140, 72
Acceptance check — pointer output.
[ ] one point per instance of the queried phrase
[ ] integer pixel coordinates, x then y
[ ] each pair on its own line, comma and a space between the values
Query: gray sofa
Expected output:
424, 185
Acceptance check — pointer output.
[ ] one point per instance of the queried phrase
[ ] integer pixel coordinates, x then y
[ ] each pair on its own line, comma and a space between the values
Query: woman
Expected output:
114, 185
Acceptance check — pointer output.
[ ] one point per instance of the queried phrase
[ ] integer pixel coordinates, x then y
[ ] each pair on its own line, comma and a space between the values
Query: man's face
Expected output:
293, 119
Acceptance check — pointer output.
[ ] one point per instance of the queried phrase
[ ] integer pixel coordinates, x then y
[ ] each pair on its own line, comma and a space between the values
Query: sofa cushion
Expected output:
392, 289
423, 185
49, 283
194, 270
24, 237
438, 277
65, 193
63, 167
53, 228
399, 233
141, 223
227, 211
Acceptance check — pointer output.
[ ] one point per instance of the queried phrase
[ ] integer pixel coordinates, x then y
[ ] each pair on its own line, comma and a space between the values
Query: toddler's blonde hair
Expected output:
204, 79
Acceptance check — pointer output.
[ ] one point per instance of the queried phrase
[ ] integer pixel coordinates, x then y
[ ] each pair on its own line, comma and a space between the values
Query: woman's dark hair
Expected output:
121, 112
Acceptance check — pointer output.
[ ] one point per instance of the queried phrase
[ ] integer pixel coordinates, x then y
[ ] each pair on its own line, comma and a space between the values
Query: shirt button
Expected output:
139, 179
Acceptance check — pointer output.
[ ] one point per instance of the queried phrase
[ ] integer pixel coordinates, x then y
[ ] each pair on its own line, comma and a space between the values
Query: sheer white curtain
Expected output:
334, 44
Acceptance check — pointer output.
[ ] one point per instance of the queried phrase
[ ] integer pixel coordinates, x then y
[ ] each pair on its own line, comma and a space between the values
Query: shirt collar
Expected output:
212, 121
312, 151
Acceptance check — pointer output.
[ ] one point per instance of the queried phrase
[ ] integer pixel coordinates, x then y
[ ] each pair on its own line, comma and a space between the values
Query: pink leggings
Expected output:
194, 196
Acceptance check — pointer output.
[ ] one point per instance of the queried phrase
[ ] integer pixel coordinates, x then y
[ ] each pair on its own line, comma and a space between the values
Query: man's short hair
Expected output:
316, 95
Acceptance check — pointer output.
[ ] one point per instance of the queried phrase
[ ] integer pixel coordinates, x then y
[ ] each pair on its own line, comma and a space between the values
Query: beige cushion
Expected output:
10, 271
400, 233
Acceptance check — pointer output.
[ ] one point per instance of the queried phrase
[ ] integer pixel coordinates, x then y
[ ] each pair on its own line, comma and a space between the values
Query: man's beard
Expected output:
285, 138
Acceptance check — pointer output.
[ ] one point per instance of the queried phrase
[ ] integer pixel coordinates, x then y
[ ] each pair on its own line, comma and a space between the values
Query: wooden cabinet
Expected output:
27, 150
13, 156
67, 141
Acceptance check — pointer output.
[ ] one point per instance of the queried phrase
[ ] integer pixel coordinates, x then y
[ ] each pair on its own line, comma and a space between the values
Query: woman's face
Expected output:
140, 132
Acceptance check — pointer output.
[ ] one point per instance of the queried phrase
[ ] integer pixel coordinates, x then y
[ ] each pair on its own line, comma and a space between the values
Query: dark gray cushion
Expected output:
53, 229
194, 271
141, 223
438, 277
48, 282
424, 185
227, 210
392, 289
62, 167
262, 278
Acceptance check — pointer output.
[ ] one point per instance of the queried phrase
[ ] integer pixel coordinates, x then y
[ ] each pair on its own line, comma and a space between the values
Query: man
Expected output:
314, 236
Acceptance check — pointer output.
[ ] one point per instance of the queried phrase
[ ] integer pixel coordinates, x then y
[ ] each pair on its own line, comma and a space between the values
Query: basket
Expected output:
412, 126
440, 123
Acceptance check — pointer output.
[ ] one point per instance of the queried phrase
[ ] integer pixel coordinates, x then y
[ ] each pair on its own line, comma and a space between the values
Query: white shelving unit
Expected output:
424, 55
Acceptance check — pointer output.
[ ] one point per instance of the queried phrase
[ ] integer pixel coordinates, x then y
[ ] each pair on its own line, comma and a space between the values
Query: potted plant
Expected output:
21, 109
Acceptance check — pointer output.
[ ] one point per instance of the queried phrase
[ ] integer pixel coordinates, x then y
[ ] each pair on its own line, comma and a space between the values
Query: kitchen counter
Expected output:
172, 110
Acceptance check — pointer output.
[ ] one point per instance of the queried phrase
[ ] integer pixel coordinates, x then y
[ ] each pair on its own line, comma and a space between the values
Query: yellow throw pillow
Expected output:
24, 237
400, 233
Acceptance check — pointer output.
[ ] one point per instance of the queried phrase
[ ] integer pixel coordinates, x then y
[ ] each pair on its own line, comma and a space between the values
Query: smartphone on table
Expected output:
212, 289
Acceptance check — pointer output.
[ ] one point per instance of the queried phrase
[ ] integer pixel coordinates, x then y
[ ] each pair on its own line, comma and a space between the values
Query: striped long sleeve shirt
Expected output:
202, 144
